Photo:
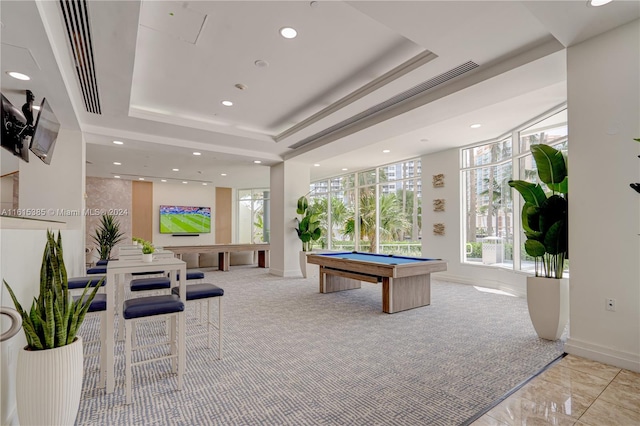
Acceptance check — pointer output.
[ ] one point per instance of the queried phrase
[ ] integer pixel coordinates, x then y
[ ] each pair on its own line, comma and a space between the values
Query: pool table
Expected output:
406, 281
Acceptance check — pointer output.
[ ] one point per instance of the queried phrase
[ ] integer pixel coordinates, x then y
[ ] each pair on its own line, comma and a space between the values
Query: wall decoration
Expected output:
438, 205
438, 228
438, 181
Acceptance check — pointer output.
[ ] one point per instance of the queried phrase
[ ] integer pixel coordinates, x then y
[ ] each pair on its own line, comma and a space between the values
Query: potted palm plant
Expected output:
50, 368
107, 235
545, 224
308, 229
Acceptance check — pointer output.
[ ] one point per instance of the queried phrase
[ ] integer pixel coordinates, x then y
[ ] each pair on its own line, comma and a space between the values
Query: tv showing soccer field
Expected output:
185, 220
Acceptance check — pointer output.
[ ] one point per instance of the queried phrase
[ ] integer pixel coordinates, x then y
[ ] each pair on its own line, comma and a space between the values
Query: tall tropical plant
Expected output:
545, 215
54, 317
107, 235
308, 226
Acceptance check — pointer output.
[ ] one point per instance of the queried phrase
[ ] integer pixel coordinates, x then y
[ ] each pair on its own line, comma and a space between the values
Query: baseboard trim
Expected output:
440, 276
620, 359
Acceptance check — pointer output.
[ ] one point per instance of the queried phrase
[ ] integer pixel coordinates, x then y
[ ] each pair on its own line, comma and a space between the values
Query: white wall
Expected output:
57, 188
56, 192
447, 246
604, 247
182, 195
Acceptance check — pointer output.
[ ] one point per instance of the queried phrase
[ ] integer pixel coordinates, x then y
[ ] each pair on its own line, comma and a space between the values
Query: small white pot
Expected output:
49, 385
147, 257
548, 302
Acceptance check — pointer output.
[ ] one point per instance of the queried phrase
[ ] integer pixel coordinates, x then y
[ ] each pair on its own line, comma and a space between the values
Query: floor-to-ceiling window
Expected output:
253, 215
376, 210
490, 211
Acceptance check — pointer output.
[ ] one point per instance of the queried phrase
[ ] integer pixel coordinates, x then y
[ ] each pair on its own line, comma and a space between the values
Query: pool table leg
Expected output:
332, 282
400, 294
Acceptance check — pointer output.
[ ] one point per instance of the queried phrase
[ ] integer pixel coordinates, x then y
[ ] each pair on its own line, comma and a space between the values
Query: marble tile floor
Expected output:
573, 391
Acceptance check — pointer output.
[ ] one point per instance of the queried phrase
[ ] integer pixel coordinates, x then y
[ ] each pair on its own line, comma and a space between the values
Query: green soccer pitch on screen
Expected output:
185, 220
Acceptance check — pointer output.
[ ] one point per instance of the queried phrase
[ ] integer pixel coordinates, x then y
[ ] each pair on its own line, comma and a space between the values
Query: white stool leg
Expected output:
103, 349
219, 327
175, 364
182, 353
209, 330
128, 356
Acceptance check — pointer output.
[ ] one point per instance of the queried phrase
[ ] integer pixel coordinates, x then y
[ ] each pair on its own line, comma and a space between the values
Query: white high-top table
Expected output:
116, 270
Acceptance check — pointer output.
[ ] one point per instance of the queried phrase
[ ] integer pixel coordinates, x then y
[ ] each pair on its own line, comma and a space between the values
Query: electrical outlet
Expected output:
610, 304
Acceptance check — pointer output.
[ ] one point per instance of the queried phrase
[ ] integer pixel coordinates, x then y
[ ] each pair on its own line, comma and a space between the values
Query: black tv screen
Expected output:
45, 133
185, 220
16, 135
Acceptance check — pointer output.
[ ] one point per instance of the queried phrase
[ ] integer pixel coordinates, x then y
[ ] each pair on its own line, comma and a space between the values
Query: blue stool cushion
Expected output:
152, 305
200, 291
153, 283
102, 262
148, 273
81, 282
98, 304
193, 274
97, 270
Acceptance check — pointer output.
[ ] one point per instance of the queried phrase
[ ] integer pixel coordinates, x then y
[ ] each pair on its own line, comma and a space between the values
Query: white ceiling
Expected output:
163, 69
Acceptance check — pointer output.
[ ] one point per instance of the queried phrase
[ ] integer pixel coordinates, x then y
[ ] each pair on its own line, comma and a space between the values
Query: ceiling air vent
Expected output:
391, 102
76, 19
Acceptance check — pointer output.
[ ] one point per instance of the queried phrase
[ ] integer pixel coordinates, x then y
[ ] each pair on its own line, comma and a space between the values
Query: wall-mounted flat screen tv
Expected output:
45, 134
185, 220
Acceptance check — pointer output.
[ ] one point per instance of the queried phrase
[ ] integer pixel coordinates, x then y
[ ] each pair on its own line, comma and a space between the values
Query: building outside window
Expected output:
491, 208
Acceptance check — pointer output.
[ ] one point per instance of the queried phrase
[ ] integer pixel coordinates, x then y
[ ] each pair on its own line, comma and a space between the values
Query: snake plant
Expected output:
54, 317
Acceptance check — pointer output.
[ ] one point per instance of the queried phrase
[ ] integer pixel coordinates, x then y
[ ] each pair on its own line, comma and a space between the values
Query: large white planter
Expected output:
49, 384
548, 302
303, 263
147, 257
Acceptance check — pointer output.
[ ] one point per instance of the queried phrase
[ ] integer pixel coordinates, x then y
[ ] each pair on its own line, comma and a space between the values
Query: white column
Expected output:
289, 181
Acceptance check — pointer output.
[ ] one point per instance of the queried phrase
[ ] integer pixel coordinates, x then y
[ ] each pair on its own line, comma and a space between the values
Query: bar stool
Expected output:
77, 284
149, 308
201, 293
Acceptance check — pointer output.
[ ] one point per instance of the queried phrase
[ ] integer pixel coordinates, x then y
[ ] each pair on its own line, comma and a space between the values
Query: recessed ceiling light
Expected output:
204, 183
257, 161
227, 103
18, 75
424, 140
117, 177
386, 151
223, 174
475, 126
176, 170
36, 107
118, 142
345, 169
184, 181
260, 63
597, 3
163, 180
117, 164
140, 178
288, 32
316, 165
240, 86
197, 153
